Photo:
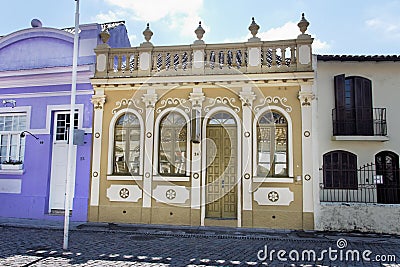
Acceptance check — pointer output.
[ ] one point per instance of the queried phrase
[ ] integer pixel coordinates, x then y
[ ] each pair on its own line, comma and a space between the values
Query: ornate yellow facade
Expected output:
204, 134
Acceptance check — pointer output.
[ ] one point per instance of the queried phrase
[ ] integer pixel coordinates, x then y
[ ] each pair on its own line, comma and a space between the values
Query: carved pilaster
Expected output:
98, 101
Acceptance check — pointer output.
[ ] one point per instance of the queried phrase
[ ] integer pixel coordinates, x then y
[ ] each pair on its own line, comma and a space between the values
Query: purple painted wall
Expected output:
29, 52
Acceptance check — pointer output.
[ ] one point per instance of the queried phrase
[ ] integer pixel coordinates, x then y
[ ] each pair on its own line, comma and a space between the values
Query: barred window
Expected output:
340, 170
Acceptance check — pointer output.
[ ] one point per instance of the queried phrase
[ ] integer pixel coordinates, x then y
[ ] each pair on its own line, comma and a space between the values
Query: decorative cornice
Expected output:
98, 101
276, 100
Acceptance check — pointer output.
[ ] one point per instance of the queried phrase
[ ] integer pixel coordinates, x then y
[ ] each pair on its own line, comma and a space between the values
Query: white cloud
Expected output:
320, 47
289, 30
154, 10
386, 26
181, 16
110, 16
132, 38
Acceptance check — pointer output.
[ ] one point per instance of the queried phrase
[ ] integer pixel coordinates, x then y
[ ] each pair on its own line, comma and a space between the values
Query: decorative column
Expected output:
197, 98
98, 101
247, 97
150, 99
145, 53
198, 51
254, 48
306, 96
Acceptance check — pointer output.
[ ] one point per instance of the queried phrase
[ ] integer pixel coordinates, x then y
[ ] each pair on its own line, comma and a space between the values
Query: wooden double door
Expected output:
221, 173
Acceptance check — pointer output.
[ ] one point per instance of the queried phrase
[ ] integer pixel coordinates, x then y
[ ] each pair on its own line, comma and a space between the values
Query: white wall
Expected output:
385, 77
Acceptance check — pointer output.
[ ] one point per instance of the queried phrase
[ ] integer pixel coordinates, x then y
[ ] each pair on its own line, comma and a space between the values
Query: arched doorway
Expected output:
221, 164
387, 166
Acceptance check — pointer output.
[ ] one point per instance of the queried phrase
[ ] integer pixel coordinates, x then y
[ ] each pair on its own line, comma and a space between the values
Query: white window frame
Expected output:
7, 111
289, 140
111, 133
157, 143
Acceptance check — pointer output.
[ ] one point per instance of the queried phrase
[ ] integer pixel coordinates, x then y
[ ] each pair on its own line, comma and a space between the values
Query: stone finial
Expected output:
105, 35
147, 33
303, 24
253, 28
199, 33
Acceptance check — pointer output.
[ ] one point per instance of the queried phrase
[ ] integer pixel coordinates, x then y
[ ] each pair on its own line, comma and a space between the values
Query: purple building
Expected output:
35, 85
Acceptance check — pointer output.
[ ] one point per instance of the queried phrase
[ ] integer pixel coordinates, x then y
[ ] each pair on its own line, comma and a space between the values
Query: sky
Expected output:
340, 27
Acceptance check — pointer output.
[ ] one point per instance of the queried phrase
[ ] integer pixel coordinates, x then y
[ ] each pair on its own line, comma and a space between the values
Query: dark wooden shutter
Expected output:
363, 106
339, 125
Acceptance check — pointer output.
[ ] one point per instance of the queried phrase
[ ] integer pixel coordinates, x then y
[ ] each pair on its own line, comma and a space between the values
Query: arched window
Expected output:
173, 145
340, 170
127, 145
272, 145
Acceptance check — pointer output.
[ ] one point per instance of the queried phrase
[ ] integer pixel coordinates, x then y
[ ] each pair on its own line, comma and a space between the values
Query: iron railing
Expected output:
374, 186
359, 121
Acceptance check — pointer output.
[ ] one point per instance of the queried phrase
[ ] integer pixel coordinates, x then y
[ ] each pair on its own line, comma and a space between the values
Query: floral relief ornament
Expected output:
170, 194
275, 100
98, 101
273, 196
124, 193
127, 102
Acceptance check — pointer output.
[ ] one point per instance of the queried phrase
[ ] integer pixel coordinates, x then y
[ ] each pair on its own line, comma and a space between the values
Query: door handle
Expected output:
222, 183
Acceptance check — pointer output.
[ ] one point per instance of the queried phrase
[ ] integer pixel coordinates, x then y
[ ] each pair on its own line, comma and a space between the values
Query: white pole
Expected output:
71, 158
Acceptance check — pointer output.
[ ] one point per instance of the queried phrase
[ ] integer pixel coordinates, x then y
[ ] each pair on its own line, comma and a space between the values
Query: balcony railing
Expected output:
199, 58
374, 186
359, 121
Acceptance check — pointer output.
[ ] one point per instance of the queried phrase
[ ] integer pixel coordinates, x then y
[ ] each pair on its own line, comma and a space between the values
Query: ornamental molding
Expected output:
219, 101
98, 101
247, 98
124, 193
174, 101
150, 100
278, 196
127, 102
171, 194
273, 100
306, 98
197, 99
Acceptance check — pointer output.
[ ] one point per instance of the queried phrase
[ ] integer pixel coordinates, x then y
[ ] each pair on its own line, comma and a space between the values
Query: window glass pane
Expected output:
8, 123
127, 145
3, 148
173, 144
11, 145
272, 145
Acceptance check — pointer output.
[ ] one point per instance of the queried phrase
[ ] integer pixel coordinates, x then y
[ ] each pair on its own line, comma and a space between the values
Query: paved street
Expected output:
129, 245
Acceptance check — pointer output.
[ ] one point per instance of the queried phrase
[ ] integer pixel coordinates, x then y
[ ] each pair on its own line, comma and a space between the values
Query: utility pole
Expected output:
71, 158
